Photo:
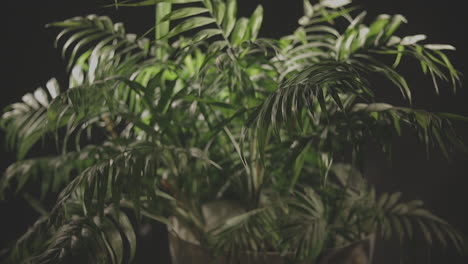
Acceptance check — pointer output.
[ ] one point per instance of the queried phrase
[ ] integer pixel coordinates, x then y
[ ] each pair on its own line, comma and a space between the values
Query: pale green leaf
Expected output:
439, 47
411, 40
334, 3
308, 8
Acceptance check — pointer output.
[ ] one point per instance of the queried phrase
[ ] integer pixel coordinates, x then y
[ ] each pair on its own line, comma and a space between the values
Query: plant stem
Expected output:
161, 29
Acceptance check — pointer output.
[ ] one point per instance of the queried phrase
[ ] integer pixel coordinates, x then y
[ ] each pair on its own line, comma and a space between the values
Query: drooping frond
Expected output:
25, 123
403, 218
255, 230
109, 238
52, 172
310, 90
433, 129
99, 239
97, 49
359, 44
131, 171
304, 231
364, 212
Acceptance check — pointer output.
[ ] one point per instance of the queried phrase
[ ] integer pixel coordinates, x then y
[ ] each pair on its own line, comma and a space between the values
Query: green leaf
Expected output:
425, 231
221, 125
76, 37
207, 34
298, 165
191, 23
308, 8
301, 35
345, 47
393, 25
240, 33
378, 107
382, 200
208, 4
377, 28
454, 117
401, 49
255, 22
438, 233
397, 226
220, 11
124, 223
208, 101
336, 98
111, 236
322, 103
53, 88
392, 200
162, 28
408, 226
80, 44
184, 12
361, 38
155, 2
230, 17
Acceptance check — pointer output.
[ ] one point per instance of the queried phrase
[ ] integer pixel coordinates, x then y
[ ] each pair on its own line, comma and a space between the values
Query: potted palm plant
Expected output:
247, 148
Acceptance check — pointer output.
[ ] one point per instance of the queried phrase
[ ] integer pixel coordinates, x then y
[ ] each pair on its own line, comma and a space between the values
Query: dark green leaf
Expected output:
184, 12
191, 23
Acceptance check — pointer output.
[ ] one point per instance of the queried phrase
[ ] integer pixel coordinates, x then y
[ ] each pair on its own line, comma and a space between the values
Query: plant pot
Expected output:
185, 247
184, 252
360, 252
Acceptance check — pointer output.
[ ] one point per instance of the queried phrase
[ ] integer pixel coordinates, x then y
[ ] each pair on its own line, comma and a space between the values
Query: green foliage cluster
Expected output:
208, 111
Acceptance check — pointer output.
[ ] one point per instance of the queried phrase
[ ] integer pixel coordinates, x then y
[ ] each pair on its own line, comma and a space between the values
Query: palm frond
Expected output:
98, 48
364, 212
304, 231
316, 41
209, 111
315, 86
254, 230
54, 172
402, 218
108, 178
221, 14
25, 123
433, 129
76, 239
100, 239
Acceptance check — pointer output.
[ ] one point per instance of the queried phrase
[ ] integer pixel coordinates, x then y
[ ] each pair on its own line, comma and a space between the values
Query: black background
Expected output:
29, 59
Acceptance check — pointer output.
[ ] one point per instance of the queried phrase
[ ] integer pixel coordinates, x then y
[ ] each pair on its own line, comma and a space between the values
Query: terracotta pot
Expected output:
183, 252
